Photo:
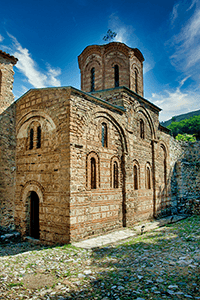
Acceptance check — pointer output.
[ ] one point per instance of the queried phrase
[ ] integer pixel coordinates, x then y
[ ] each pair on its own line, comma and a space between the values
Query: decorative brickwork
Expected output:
109, 66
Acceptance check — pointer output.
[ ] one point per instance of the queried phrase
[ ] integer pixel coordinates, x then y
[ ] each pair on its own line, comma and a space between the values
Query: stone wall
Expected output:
6, 80
94, 211
185, 176
45, 169
7, 167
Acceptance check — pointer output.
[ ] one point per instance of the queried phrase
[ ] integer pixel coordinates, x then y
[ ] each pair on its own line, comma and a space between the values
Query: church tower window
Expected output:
104, 135
136, 81
93, 173
116, 75
92, 79
38, 137
31, 139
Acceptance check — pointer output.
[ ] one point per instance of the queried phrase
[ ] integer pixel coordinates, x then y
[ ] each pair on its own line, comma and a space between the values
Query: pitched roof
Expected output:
8, 56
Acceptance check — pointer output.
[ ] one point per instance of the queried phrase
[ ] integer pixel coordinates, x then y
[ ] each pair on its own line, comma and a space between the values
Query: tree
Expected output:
187, 126
110, 35
186, 137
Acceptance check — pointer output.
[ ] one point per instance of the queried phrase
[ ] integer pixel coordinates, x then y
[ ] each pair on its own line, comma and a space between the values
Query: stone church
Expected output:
78, 163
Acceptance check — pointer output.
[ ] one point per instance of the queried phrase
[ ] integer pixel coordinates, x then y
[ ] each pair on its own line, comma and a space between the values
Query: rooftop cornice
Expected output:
87, 96
8, 56
127, 90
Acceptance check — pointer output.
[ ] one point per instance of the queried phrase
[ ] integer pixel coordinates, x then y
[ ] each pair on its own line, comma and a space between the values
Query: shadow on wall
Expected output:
181, 193
185, 180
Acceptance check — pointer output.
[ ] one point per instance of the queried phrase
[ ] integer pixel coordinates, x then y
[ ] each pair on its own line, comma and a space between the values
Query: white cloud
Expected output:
52, 74
148, 67
174, 14
176, 102
124, 32
192, 4
29, 68
186, 45
1, 38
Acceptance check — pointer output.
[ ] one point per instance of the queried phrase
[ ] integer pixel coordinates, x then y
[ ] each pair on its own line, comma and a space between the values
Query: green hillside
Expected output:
180, 118
186, 127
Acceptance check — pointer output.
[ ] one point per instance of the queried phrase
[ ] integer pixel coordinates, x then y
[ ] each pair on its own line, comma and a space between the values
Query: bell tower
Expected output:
110, 66
6, 79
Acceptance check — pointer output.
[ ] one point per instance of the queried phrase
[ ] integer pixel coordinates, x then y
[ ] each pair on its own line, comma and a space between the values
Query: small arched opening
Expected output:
34, 215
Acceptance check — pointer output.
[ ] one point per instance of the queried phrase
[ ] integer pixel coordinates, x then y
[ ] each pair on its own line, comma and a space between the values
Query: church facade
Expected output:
83, 162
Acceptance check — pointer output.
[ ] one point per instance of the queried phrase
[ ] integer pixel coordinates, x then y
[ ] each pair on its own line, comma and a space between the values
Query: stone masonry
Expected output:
6, 80
7, 140
78, 163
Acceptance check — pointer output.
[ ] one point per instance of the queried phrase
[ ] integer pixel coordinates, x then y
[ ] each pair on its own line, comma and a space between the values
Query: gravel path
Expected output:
161, 264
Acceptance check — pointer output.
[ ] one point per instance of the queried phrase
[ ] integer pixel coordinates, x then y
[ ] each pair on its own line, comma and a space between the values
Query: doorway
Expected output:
34, 215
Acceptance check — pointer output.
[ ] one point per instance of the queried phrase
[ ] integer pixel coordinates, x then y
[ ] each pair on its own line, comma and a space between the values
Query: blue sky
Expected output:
47, 36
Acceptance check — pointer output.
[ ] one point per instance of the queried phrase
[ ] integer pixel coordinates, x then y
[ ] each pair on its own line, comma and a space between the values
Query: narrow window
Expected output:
115, 175
136, 81
141, 129
31, 139
93, 173
0, 80
104, 135
135, 175
148, 178
165, 172
39, 137
116, 75
92, 79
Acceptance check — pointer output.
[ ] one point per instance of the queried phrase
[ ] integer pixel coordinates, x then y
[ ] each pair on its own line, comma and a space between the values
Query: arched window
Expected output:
116, 75
141, 129
136, 81
135, 177
115, 175
38, 137
93, 173
92, 79
165, 170
163, 164
31, 139
148, 178
104, 135
0, 81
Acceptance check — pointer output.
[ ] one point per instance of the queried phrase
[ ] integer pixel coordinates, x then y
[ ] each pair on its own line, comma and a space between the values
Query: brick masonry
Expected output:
60, 169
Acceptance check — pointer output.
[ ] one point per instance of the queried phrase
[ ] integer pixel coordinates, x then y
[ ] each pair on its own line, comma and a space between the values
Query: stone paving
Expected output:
119, 235
160, 264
